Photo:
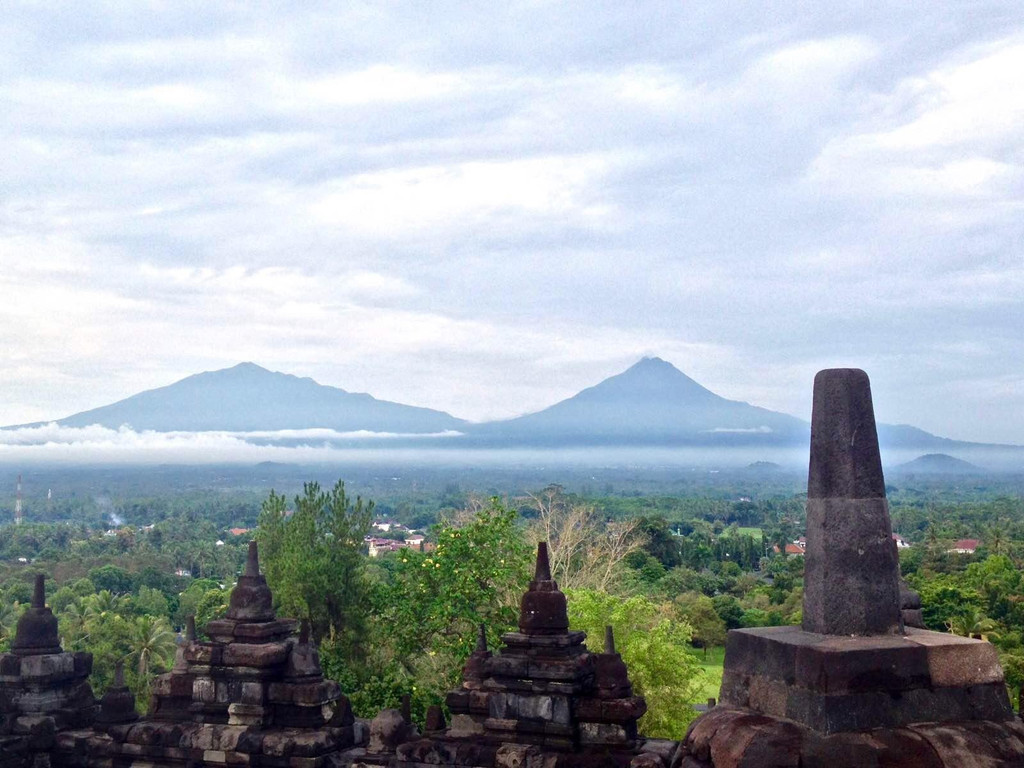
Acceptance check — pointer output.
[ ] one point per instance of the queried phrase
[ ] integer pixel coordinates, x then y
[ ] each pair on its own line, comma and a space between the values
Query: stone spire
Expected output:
609, 639
851, 572
543, 609
118, 703
37, 628
473, 671
39, 592
251, 599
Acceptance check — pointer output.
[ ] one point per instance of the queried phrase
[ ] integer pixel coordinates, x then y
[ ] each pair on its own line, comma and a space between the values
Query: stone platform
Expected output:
833, 683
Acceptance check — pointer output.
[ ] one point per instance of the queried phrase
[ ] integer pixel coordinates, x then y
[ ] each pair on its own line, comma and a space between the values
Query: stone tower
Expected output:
854, 686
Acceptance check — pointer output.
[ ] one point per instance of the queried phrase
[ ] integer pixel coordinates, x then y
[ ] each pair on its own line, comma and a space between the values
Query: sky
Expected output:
484, 208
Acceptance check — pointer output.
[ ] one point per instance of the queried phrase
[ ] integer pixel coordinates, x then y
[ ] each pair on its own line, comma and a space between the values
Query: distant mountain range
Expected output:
248, 398
651, 403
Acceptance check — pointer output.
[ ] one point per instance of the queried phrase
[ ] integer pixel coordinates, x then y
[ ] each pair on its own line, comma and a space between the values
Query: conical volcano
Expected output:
650, 402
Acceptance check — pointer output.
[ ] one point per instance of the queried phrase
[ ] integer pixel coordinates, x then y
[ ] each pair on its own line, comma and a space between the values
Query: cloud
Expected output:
97, 444
485, 210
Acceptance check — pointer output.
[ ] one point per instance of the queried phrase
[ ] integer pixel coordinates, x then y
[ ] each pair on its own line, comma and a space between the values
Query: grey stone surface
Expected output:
37, 628
851, 568
845, 461
251, 599
831, 683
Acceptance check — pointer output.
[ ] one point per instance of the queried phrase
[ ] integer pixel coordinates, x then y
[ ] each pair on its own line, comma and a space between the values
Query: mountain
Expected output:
248, 398
938, 464
652, 402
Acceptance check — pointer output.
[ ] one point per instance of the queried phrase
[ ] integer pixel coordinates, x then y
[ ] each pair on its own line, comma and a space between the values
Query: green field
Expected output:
755, 532
712, 667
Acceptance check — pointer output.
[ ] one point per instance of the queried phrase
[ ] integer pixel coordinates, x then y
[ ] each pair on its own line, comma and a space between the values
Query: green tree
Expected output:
654, 646
111, 578
151, 602
429, 604
313, 562
152, 644
708, 627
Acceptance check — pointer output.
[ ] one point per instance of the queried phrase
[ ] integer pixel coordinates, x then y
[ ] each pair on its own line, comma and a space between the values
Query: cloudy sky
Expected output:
484, 207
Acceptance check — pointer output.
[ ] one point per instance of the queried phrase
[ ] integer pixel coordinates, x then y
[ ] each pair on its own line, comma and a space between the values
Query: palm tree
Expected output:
73, 625
104, 602
971, 623
152, 643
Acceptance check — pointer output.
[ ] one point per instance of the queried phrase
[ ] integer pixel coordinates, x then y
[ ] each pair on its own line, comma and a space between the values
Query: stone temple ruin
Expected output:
859, 684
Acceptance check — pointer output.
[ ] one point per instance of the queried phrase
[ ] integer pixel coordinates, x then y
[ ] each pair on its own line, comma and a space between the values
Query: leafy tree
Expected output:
729, 611
428, 606
189, 600
10, 612
151, 602
708, 627
313, 562
654, 647
111, 578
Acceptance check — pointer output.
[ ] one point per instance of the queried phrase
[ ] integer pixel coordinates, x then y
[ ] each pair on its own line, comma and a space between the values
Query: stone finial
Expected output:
118, 703
252, 561
609, 639
435, 719
851, 571
473, 672
39, 592
543, 608
845, 460
251, 599
303, 658
542, 572
407, 708
190, 628
388, 730
36, 633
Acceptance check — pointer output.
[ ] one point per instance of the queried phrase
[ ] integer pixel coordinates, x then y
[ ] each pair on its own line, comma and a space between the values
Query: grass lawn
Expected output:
755, 532
712, 667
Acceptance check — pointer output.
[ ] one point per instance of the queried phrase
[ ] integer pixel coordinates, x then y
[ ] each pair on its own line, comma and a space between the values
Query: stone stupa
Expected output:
853, 686
543, 696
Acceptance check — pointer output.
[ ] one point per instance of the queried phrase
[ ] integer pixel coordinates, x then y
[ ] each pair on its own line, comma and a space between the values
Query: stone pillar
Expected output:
851, 571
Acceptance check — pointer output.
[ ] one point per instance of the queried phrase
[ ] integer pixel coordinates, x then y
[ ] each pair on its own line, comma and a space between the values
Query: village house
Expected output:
965, 547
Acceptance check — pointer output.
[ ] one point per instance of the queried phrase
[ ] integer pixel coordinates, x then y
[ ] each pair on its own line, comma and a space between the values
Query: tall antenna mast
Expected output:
17, 504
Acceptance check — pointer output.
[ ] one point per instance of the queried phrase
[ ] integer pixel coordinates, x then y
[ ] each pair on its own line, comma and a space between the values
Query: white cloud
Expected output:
388, 204
952, 138
485, 211
55, 443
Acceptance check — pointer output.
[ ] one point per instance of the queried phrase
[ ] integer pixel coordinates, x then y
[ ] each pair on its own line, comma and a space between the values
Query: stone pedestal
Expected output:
854, 686
832, 683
